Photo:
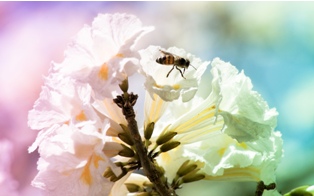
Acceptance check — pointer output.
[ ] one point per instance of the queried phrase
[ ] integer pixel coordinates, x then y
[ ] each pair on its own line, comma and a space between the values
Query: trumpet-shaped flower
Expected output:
103, 55
174, 86
72, 162
229, 135
73, 114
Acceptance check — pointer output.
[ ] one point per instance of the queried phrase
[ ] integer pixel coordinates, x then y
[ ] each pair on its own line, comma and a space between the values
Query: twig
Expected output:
126, 101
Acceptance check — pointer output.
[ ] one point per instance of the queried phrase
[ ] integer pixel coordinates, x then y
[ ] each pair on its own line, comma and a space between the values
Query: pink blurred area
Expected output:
31, 36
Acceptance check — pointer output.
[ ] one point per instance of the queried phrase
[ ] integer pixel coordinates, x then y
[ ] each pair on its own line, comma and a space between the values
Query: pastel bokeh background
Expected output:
273, 42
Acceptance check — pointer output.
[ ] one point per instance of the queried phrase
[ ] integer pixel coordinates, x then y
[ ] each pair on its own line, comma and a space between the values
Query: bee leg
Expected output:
170, 71
181, 72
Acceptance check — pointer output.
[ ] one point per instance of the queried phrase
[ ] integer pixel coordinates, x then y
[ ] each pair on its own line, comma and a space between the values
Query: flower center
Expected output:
103, 72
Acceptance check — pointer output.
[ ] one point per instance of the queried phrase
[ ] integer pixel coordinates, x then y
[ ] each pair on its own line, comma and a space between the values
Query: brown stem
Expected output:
126, 102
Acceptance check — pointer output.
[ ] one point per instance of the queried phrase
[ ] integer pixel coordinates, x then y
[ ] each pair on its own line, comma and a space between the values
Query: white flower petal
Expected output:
103, 55
72, 158
175, 86
154, 108
243, 129
246, 114
119, 189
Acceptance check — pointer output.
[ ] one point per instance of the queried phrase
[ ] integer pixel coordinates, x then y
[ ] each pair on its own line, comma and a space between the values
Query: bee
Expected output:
175, 60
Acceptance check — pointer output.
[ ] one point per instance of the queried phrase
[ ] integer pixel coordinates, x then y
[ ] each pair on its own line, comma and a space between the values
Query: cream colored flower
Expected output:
229, 135
247, 116
75, 112
72, 163
103, 55
174, 86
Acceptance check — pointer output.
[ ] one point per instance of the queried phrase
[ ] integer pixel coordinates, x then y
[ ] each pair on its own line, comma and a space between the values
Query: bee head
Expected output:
187, 62
184, 62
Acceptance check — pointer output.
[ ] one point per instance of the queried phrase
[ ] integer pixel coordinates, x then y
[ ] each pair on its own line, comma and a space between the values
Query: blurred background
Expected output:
273, 42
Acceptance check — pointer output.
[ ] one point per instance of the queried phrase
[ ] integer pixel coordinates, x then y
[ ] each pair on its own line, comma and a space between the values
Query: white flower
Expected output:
72, 163
229, 135
62, 101
174, 86
74, 114
246, 115
248, 153
103, 55
71, 139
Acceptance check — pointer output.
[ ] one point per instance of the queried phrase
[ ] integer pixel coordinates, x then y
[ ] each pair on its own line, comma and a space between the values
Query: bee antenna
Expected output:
193, 67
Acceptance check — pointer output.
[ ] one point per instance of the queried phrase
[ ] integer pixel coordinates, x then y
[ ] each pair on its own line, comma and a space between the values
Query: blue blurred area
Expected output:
273, 42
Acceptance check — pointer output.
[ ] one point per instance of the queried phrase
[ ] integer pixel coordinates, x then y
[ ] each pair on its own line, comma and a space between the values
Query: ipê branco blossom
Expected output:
90, 140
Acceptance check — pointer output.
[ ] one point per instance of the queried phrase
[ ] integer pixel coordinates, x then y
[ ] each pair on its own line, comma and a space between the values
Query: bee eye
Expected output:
182, 61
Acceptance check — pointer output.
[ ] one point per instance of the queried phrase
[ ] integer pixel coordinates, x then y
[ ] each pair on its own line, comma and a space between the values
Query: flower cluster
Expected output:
88, 142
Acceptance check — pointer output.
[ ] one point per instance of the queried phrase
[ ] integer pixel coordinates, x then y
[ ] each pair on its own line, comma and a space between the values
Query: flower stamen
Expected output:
103, 72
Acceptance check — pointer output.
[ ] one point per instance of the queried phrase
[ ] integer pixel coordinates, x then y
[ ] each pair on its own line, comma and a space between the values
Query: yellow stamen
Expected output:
96, 160
242, 145
158, 86
176, 86
86, 175
103, 72
221, 151
199, 118
120, 55
81, 116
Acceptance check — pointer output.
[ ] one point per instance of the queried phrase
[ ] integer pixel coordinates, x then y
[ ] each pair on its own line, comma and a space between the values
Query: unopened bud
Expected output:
192, 176
126, 138
149, 130
132, 188
124, 86
126, 151
165, 137
169, 146
108, 173
148, 184
186, 168
125, 128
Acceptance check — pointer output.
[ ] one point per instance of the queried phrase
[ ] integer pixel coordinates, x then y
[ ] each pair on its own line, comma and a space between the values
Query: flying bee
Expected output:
175, 60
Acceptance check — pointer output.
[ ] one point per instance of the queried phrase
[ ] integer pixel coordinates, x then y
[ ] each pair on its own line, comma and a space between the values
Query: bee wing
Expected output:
170, 54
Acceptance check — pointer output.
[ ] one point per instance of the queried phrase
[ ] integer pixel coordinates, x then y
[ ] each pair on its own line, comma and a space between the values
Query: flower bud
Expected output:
124, 86
132, 188
149, 130
108, 173
165, 137
124, 127
193, 176
186, 168
126, 151
169, 146
126, 138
